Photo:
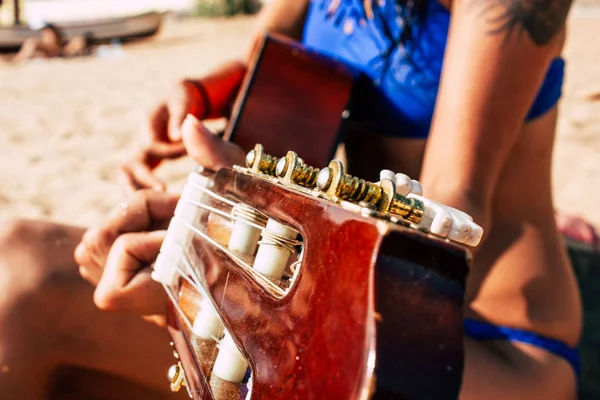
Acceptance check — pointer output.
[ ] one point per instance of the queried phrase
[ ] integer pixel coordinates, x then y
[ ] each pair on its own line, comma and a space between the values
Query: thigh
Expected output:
523, 264
49, 320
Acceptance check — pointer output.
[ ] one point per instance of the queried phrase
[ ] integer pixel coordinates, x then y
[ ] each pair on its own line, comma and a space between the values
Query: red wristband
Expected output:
199, 105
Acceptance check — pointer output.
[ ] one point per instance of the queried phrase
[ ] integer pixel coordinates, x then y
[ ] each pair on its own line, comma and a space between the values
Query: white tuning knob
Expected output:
416, 187
405, 185
387, 174
445, 221
439, 219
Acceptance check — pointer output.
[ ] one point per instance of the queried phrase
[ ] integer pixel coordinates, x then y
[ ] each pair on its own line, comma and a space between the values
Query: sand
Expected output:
66, 125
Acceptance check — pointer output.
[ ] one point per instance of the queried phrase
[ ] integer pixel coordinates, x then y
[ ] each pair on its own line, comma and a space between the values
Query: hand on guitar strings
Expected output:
163, 138
155, 146
160, 139
118, 254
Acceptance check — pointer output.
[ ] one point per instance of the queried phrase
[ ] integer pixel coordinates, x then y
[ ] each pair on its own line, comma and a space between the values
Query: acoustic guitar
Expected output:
294, 282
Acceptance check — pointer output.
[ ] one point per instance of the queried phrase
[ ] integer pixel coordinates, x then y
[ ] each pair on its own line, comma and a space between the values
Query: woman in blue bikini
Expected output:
467, 95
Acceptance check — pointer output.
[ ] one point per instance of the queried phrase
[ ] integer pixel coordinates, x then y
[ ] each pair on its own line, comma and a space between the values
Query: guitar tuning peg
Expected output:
387, 174
441, 222
448, 222
416, 187
259, 161
403, 184
475, 236
292, 169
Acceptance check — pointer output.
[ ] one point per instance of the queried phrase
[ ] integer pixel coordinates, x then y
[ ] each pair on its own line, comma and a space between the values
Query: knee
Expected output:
10, 230
21, 266
21, 243
37, 274
33, 254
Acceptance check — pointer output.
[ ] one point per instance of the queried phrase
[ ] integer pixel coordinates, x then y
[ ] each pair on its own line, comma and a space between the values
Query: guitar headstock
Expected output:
289, 281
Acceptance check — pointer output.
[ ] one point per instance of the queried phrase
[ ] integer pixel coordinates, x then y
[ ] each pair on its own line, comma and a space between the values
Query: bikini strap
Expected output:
480, 330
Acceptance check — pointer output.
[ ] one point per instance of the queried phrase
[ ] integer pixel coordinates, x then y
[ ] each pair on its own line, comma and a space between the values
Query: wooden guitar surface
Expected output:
373, 308
292, 99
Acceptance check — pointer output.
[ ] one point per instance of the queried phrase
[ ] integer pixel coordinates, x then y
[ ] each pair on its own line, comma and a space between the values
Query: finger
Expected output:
132, 182
126, 180
91, 252
207, 149
178, 109
138, 175
155, 126
126, 283
163, 150
88, 267
144, 211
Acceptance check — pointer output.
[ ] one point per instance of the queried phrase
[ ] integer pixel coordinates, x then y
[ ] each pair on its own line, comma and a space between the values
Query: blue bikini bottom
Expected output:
480, 330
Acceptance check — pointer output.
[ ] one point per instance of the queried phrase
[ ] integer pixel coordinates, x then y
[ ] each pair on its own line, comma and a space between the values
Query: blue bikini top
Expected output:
401, 80
400, 87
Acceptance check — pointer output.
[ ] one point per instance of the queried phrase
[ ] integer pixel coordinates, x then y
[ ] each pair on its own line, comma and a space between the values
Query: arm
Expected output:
497, 49
497, 56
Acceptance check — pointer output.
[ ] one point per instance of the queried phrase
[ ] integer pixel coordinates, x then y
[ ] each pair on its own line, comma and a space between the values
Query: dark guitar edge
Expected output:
240, 102
199, 388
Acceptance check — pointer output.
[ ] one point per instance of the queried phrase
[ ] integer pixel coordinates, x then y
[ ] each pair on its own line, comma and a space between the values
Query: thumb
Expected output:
178, 110
208, 149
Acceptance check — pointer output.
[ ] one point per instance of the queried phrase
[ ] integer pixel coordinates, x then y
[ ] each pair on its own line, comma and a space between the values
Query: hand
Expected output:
116, 256
208, 149
160, 139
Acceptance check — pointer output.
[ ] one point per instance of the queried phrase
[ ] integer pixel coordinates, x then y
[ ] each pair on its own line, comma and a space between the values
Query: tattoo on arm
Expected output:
541, 19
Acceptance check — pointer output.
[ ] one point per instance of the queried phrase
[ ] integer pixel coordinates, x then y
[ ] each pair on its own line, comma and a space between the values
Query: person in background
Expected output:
470, 92
52, 43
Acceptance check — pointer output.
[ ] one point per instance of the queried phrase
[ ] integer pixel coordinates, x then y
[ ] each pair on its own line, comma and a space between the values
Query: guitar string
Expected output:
234, 205
241, 263
189, 325
177, 307
187, 278
192, 270
269, 238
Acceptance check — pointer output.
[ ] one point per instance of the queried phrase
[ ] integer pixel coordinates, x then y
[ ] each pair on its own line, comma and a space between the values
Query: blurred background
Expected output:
66, 124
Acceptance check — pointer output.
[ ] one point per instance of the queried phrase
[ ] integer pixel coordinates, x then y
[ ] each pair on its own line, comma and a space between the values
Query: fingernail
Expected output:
159, 234
191, 119
158, 187
80, 251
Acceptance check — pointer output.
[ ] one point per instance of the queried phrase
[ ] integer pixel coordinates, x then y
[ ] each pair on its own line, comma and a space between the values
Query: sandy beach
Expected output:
66, 125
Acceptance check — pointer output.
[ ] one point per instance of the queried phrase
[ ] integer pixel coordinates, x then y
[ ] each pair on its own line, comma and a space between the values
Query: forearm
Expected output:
497, 55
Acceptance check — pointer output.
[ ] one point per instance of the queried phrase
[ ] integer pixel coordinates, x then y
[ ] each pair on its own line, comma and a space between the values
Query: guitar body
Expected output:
375, 310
